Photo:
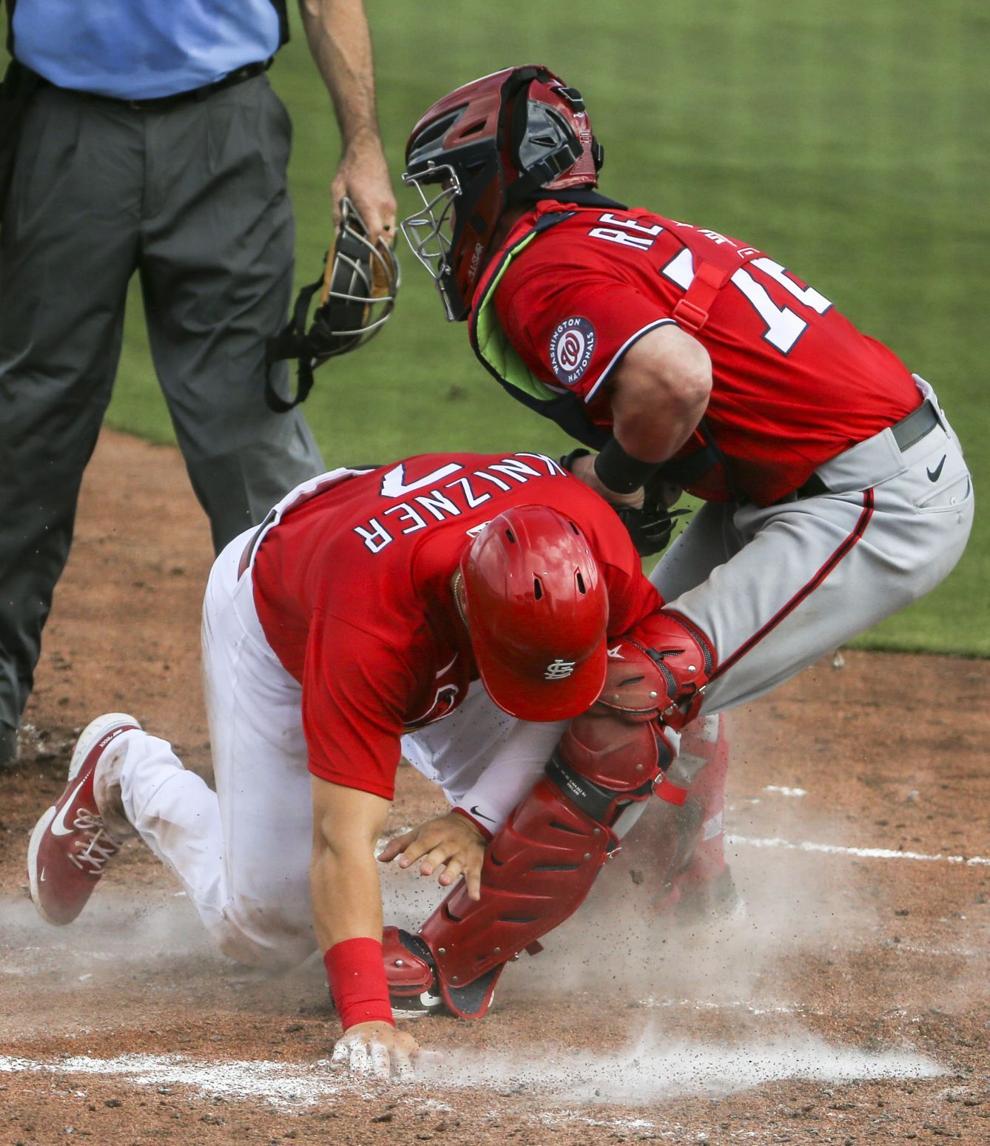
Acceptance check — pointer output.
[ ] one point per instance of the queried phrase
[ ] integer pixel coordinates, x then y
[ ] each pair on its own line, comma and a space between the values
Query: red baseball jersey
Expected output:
795, 383
353, 590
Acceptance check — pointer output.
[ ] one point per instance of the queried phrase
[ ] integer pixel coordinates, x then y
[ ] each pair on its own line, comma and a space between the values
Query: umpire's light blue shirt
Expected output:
142, 49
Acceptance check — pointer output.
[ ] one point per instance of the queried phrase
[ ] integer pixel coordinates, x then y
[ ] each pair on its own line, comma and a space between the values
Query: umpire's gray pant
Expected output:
194, 198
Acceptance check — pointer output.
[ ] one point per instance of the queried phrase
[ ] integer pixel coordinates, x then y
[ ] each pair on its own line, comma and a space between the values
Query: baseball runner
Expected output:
835, 491
461, 608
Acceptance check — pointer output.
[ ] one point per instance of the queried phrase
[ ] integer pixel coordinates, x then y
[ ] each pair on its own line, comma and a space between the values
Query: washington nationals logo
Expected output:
571, 347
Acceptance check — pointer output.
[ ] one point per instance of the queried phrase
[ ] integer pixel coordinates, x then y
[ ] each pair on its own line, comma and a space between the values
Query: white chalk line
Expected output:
272, 1082
860, 853
652, 1069
903, 948
653, 1003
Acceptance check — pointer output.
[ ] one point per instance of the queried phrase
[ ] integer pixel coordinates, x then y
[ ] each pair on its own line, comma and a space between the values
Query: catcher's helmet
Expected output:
357, 295
536, 607
492, 143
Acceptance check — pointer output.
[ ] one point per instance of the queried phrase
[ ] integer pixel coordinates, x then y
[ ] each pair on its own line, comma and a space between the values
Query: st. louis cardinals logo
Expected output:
571, 347
559, 669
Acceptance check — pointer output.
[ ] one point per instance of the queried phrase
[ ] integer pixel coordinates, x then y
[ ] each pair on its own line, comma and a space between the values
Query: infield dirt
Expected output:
849, 1003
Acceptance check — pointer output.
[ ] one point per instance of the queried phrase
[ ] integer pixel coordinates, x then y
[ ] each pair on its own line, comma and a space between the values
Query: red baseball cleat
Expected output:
70, 845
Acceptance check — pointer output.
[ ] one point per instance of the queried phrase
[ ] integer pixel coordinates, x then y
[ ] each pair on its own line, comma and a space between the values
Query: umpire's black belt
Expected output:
907, 432
162, 103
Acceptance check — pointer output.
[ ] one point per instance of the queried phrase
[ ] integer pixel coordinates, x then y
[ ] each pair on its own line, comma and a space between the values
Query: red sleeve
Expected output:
353, 703
571, 323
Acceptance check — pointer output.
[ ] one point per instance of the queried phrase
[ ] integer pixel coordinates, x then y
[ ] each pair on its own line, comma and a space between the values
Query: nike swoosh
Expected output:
481, 815
933, 475
43, 875
58, 827
428, 1000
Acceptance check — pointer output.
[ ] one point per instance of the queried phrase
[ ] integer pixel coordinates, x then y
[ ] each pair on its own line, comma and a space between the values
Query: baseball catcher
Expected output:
835, 491
358, 289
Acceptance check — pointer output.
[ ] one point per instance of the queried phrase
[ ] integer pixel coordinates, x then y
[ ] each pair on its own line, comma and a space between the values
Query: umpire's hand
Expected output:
452, 842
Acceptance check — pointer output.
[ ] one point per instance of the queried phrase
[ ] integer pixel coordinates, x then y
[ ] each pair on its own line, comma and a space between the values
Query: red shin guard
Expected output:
540, 866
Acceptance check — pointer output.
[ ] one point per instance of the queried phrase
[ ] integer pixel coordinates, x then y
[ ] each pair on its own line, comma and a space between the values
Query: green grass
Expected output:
851, 140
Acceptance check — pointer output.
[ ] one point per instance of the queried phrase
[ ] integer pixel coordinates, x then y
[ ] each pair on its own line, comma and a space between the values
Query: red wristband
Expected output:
356, 974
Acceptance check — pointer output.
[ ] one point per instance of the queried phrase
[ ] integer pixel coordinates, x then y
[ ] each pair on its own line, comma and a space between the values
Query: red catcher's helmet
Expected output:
536, 607
490, 144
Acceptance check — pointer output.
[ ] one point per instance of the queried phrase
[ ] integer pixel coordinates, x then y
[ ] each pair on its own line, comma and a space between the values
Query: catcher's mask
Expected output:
498, 141
536, 607
359, 284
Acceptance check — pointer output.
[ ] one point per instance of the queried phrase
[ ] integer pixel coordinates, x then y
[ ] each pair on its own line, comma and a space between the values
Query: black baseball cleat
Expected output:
414, 989
474, 1000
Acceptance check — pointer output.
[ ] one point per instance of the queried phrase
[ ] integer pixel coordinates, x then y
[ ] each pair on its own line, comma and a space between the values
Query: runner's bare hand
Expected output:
376, 1049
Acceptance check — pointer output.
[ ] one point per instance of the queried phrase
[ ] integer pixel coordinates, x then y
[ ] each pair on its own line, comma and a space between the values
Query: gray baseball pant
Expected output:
193, 198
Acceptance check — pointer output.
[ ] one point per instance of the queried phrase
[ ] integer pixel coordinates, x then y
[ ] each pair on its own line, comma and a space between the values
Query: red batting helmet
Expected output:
492, 143
537, 611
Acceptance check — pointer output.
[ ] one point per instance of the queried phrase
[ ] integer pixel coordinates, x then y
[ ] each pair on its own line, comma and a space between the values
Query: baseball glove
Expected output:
357, 295
650, 525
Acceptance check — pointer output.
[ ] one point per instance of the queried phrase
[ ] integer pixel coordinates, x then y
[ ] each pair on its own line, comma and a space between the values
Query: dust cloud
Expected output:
653, 1068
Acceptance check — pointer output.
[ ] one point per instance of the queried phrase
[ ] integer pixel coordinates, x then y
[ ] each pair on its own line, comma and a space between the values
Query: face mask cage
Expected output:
429, 232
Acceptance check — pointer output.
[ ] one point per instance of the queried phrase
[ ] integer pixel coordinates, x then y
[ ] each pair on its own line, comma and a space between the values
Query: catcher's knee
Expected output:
606, 762
541, 864
615, 754
659, 670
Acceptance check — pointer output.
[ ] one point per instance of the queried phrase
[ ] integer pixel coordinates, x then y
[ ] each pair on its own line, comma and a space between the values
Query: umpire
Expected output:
151, 141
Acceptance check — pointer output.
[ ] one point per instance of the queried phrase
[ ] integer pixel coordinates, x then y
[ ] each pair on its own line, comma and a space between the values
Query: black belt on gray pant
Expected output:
907, 432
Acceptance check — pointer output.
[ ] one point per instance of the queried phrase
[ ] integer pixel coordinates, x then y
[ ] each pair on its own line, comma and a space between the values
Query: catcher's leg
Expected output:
681, 846
541, 864
701, 878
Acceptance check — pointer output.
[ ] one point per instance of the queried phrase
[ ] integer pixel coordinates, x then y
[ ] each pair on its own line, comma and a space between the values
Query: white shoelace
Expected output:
101, 847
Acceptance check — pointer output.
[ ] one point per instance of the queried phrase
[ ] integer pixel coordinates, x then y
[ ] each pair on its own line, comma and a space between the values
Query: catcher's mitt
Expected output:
357, 294
650, 525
